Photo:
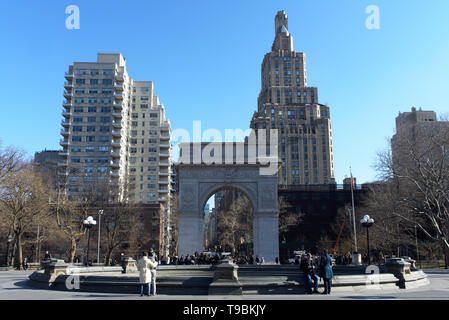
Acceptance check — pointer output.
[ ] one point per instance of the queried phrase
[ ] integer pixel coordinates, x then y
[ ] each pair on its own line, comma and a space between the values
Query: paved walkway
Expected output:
14, 286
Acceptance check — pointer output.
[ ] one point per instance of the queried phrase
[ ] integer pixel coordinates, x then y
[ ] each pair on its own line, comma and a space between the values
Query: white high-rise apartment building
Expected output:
114, 130
288, 104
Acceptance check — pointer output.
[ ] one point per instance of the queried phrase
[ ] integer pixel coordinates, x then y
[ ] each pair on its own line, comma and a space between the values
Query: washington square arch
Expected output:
229, 166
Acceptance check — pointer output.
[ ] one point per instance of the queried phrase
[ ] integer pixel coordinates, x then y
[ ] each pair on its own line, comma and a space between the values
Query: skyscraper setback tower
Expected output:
286, 103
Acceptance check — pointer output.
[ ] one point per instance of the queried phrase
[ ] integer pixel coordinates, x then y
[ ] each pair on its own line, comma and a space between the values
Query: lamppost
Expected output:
8, 243
88, 223
367, 222
100, 212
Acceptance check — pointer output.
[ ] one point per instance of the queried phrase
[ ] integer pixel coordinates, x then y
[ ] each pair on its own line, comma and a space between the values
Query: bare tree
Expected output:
23, 203
287, 218
416, 174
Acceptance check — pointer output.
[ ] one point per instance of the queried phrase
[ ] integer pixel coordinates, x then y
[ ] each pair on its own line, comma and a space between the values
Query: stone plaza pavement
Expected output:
14, 286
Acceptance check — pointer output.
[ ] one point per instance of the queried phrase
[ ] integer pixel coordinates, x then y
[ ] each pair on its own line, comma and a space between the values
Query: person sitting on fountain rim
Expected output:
308, 268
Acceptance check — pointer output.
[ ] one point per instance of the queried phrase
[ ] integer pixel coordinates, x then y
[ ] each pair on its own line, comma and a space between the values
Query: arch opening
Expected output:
228, 215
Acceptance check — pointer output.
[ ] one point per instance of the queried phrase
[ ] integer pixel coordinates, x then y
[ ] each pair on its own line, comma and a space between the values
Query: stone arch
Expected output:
197, 182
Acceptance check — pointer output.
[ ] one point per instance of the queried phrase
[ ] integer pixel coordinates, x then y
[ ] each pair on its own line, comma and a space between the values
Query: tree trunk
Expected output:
19, 251
13, 253
72, 250
108, 256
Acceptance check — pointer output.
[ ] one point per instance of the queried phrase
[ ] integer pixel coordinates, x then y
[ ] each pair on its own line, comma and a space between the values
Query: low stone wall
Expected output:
203, 280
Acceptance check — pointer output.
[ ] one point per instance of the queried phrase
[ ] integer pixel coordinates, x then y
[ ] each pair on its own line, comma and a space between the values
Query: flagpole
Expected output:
353, 211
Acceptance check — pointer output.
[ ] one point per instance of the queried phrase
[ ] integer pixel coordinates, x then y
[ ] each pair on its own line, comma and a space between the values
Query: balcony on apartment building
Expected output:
117, 105
119, 87
65, 113
117, 124
119, 76
65, 132
64, 142
65, 123
117, 115
67, 94
118, 96
66, 104
115, 164
116, 133
68, 75
68, 84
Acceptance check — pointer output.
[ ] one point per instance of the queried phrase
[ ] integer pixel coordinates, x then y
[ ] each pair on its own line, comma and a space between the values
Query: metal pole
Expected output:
88, 245
350, 224
353, 215
100, 212
367, 240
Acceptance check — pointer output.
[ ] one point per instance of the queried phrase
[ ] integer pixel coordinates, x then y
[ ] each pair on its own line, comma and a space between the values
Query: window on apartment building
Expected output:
107, 81
152, 150
79, 100
81, 71
134, 123
153, 115
92, 109
90, 138
78, 109
151, 186
104, 138
75, 160
144, 98
92, 100
77, 128
144, 106
90, 149
103, 160
105, 109
76, 149
103, 149
93, 81
152, 140
105, 119
153, 132
105, 129
135, 115
133, 141
151, 159
79, 91
90, 128
80, 81
106, 100
144, 89
88, 169
91, 119
106, 91
94, 71
133, 150
103, 169
108, 71
93, 91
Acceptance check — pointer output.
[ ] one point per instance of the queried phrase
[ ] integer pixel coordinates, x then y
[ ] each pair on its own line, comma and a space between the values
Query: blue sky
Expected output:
204, 58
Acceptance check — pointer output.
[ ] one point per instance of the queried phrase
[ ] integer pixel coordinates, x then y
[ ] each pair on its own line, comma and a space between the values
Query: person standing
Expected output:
326, 271
144, 273
25, 264
154, 262
47, 256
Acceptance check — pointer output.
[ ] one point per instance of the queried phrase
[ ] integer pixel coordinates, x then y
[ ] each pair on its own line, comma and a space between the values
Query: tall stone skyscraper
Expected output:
114, 132
286, 103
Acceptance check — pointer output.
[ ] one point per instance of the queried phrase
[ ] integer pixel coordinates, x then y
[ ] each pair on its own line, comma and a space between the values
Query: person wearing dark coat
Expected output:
326, 271
308, 268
